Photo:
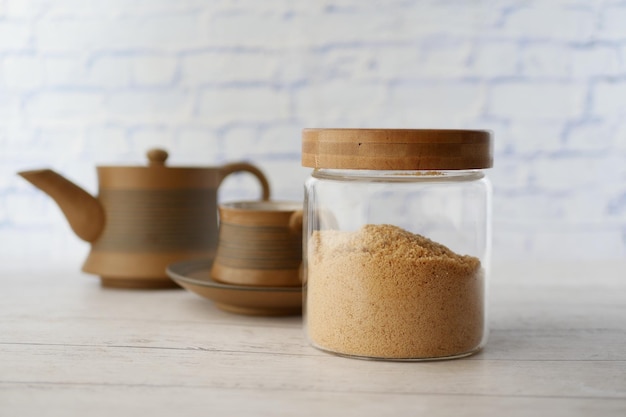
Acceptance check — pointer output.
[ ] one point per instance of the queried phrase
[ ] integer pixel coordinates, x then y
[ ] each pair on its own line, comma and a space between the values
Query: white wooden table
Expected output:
71, 348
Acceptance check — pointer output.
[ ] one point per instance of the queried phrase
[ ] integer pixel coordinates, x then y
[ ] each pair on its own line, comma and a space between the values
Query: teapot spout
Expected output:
83, 211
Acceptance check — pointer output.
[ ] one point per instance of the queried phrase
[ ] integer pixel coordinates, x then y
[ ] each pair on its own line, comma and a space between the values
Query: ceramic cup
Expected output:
259, 244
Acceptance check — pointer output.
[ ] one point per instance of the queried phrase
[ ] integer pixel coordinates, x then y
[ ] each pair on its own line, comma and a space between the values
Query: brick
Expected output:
22, 72
606, 202
254, 104
335, 103
65, 106
29, 207
537, 101
278, 7
529, 138
571, 242
527, 205
435, 104
510, 245
619, 137
597, 61
21, 9
33, 147
67, 34
197, 145
615, 206
510, 175
4, 214
441, 59
153, 70
10, 107
64, 142
612, 23
166, 31
315, 28
494, 59
108, 71
553, 240
225, 30
358, 64
444, 59
100, 71
239, 142
65, 71
282, 139
105, 142
14, 35
293, 67
219, 67
537, 22
79, 9
565, 173
592, 136
608, 99
130, 33
149, 105
364, 22
593, 205
546, 61
15, 142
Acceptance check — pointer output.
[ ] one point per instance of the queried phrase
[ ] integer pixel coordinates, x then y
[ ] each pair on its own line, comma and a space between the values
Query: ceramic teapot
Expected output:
144, 217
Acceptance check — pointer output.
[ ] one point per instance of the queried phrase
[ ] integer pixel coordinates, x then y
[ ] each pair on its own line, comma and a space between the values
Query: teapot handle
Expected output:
231, 168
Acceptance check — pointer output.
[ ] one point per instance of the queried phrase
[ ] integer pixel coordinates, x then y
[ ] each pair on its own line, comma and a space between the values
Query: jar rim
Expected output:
397, 149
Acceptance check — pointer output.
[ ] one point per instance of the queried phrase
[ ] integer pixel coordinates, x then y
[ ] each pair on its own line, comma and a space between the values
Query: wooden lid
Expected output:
397, 149
157, 175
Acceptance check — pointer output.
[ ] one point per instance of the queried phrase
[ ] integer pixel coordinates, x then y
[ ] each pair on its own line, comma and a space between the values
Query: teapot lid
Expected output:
156, 175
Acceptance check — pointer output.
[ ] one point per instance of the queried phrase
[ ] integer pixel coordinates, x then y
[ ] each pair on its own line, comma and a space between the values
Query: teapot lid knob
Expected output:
157, 157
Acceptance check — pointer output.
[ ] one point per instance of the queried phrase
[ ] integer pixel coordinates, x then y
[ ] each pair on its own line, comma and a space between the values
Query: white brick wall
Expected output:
85, 83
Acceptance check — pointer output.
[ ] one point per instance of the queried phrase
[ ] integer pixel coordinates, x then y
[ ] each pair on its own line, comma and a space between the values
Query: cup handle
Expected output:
296, 228
228, 169
295, 222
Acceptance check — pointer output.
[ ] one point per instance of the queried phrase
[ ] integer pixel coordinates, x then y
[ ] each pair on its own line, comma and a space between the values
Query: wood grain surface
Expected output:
70, 347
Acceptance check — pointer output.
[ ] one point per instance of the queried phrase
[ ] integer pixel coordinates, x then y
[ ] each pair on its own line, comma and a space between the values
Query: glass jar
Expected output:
397, 242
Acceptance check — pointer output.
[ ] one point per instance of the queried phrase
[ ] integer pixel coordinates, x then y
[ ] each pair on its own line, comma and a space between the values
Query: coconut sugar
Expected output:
384, 292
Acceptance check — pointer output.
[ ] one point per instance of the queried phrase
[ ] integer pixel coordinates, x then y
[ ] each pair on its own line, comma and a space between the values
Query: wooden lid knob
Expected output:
157, 157
397, 149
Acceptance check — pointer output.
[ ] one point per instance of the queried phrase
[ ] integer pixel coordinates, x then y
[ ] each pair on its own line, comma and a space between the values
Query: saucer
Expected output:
195, 276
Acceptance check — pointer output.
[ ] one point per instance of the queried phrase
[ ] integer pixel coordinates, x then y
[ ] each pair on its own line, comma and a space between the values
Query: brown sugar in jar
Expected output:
386, 293
397, 242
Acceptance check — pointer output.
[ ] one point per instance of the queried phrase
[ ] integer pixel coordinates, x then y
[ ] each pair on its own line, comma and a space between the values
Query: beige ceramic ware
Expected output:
144, 217
195, 276
260, 244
